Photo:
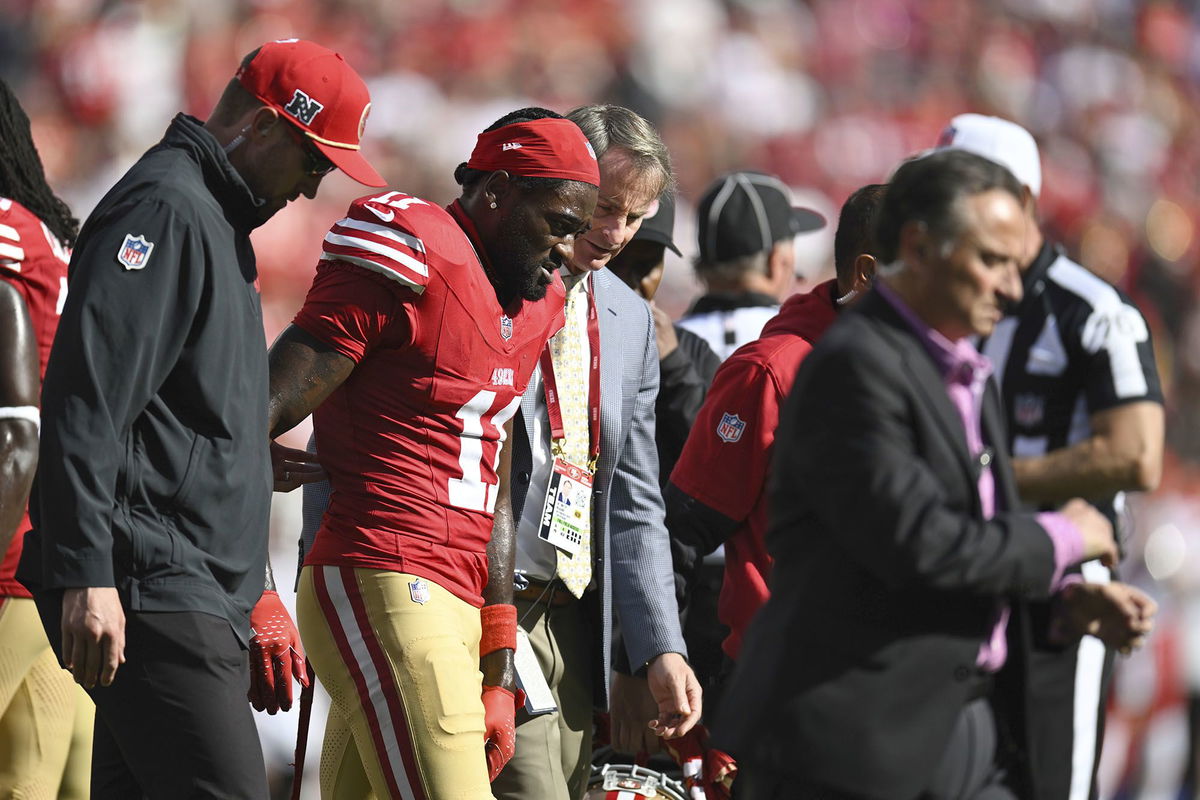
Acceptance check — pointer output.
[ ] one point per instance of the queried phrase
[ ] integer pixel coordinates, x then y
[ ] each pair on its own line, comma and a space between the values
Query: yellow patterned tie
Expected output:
571, 376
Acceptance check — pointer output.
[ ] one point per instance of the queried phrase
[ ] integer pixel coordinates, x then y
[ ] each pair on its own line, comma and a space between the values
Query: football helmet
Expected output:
631, 782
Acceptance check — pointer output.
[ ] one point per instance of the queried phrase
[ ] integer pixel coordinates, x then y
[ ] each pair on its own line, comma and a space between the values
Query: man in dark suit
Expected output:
1079, 385
897, 554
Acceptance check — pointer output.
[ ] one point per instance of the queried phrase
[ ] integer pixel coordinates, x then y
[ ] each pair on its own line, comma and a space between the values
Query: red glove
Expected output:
275, 651
500, 729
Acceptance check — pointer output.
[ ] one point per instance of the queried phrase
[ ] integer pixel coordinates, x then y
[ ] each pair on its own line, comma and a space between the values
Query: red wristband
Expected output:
499, 624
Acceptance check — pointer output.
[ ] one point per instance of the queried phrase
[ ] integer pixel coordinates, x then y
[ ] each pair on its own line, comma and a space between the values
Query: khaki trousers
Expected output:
399, 656
554, 751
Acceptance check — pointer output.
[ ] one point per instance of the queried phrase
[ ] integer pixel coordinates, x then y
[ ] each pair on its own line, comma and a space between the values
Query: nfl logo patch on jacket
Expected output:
731, 427
134, 251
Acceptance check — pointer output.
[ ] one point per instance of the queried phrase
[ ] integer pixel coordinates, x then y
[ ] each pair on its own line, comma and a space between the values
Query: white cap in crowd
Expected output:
999, 140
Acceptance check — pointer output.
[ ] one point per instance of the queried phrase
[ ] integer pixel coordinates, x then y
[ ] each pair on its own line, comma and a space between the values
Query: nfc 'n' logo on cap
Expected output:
303, 107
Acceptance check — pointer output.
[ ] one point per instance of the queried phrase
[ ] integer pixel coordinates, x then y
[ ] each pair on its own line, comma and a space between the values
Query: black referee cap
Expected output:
743, 213
659, 226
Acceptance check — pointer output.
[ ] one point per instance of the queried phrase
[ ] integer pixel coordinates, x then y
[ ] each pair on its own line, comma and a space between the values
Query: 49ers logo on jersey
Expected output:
502, 376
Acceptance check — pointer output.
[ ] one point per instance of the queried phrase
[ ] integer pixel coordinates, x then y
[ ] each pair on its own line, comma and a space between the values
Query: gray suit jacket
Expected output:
631, 550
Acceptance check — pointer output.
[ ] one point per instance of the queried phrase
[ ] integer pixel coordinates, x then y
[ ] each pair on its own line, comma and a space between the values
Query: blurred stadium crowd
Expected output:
828, 94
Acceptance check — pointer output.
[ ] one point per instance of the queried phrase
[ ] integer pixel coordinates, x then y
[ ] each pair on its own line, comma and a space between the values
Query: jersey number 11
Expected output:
470, 491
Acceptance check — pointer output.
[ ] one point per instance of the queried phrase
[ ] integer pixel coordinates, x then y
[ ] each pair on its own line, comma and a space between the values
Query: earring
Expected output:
493, 204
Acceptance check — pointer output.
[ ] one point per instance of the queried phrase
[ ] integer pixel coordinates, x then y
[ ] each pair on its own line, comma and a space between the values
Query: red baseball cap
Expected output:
318, 92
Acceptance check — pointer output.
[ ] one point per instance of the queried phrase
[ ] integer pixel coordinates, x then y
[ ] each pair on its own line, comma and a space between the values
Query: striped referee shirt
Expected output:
1074, 346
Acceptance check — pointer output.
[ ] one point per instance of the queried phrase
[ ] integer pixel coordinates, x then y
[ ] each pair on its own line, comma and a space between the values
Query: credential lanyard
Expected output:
553, 408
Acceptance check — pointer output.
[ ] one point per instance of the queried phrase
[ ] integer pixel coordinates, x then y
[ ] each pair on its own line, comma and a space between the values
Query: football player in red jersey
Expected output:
38, 700
418, 336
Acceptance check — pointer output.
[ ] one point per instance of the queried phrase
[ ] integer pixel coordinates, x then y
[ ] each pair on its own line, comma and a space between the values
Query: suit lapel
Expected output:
921, 371
529, 401
931, 385
995, 436
612, 367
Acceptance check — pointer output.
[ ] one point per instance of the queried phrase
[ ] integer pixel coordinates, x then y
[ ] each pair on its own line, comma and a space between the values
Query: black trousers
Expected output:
967, 770
1068, 690
175, 723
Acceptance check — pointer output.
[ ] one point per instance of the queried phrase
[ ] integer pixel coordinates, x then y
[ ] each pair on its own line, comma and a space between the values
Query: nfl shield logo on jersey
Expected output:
134, 251
731, 427
505, 327
418, 590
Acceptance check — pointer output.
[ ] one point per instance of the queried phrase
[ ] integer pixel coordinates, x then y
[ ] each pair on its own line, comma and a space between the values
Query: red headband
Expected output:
542, 148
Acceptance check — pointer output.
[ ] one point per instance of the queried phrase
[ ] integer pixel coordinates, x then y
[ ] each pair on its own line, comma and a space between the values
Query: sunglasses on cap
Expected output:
315, 162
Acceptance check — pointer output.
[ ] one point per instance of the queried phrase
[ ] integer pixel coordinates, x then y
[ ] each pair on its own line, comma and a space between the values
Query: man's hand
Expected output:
500, 726
1097, 531
631, 707
93, 634
664, 331
276, 656
1118, 614
676, 692
291, 468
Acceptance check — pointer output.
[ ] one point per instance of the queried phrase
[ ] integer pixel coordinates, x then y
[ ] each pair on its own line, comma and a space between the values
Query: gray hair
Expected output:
609, 126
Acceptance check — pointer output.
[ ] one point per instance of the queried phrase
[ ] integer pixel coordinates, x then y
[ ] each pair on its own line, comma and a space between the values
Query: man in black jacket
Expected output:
898, 552
1084, 406
150, 509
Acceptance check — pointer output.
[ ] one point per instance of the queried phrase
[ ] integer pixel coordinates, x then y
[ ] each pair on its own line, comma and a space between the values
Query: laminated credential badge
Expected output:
567, 507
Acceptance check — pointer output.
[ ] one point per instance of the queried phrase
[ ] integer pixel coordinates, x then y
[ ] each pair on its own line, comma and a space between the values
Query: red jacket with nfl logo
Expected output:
718, 486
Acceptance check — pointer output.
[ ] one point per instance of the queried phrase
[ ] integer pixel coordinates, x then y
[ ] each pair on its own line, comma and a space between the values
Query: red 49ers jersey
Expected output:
35, 262
411, 441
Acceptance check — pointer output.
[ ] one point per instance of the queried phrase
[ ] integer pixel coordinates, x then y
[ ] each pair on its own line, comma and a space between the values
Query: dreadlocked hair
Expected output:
22, 177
